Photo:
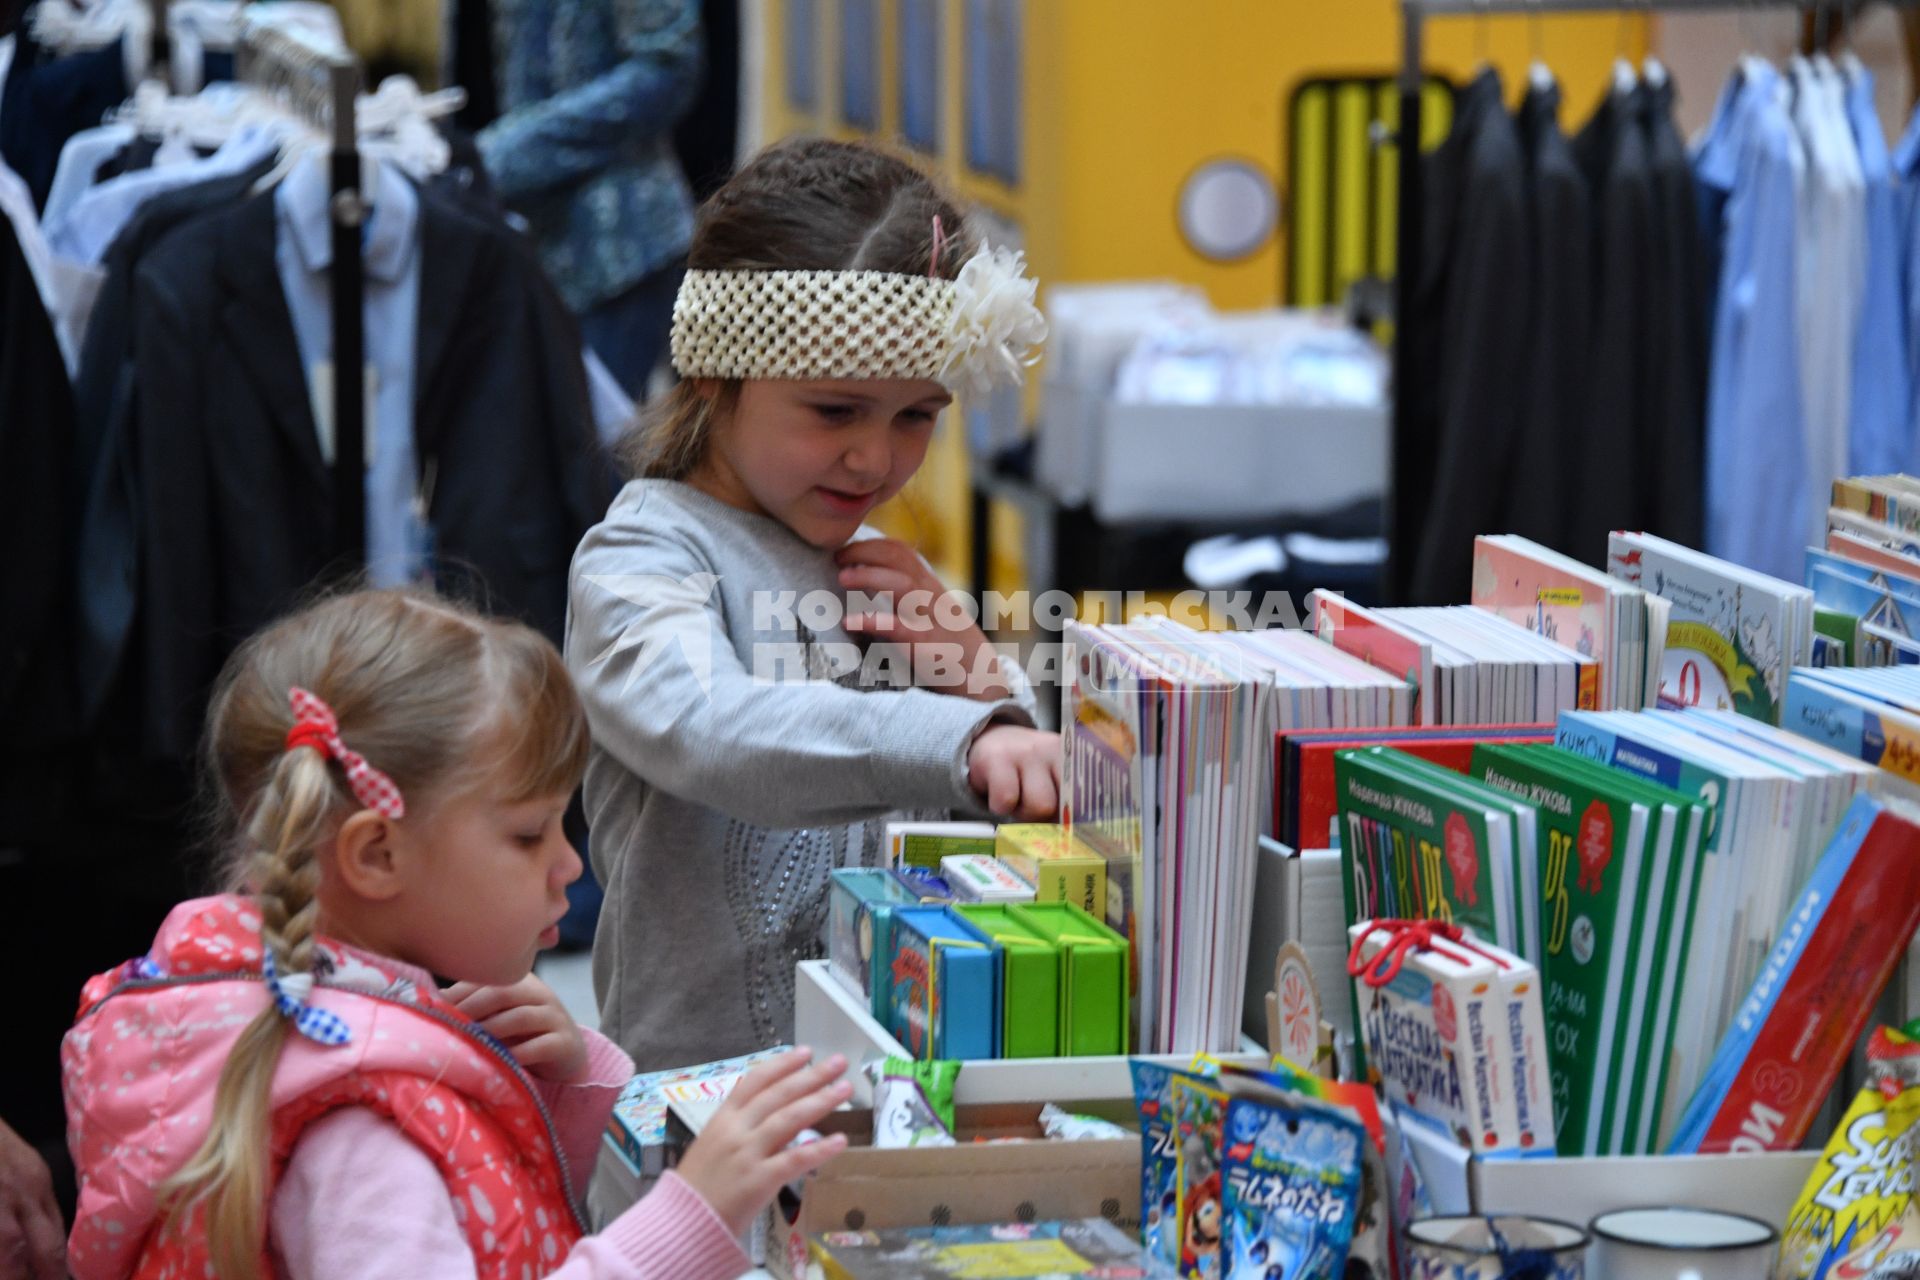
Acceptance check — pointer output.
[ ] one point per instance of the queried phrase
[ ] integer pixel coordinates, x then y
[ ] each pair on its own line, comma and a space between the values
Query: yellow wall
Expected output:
1122, 99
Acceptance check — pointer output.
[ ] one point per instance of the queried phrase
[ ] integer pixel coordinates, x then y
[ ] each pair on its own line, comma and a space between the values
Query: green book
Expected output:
1596, 839
1842, 630
1667, 920
1093, 976
1518, 928
1030, 1013
1412, 847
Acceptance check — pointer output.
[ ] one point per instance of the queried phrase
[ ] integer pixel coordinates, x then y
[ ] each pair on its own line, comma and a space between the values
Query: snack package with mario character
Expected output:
1199, 1111
1160, 1158
1857, 1219
1292, 1180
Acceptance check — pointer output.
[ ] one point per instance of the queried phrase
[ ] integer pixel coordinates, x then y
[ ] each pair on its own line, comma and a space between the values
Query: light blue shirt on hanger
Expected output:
1906, 166
1881, 439
1757, 512
88, 227
397, 550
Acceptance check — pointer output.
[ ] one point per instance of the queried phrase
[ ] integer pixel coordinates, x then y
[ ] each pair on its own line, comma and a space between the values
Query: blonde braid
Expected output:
230, 1171
417, 684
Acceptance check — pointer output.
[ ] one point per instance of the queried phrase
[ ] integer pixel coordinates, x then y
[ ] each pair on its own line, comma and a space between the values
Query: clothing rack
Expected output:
1408, 378
320, 85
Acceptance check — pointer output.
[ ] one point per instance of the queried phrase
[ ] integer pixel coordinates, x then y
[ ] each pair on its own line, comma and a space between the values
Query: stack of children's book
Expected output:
1166, 737
1621, 628
1644, 863
1733, 634
1869, 713
1468, 665
1775, 802
1304, 794
1866, 579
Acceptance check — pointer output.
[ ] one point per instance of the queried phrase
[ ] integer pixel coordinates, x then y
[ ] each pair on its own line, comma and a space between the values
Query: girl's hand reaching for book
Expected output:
897, 599
1017, 772
748, 1150
529, 1019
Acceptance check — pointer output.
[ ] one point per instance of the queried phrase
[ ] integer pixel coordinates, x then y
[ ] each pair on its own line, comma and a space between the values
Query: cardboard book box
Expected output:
976, 1182
943, 985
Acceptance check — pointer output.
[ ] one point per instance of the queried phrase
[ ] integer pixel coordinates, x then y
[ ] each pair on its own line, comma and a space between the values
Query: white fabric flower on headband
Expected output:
995, 326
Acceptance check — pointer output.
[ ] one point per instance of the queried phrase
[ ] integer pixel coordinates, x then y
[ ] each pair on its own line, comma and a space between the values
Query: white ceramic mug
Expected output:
1681, 1244
1483, 1249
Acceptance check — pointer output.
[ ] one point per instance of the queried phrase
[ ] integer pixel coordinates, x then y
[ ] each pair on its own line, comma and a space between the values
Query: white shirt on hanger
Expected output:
80, 161
1832, 278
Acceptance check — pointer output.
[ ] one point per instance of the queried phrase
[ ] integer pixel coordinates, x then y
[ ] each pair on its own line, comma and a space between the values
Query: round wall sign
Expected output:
1228, 208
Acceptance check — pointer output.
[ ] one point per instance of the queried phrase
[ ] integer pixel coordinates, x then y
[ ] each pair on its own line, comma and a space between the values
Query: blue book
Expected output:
1862, 724
945, 986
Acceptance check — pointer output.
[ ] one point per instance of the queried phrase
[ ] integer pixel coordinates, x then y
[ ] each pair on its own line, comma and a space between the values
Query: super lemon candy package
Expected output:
1856, 1217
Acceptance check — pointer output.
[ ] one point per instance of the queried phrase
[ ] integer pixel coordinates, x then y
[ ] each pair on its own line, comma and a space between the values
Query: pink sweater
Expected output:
359, 1200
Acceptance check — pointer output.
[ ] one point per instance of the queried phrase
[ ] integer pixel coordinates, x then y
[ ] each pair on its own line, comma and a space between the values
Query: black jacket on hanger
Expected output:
233, 521
1553, 388
1473, 308
48, 98
37, 724
1674, 499
104, 403
36, 442
1616, 447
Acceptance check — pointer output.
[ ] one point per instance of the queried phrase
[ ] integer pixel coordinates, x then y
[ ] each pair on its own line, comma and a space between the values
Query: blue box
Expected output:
943, 986
860, 906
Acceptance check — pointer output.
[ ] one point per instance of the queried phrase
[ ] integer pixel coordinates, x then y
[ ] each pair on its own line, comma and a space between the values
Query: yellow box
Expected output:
1059, 869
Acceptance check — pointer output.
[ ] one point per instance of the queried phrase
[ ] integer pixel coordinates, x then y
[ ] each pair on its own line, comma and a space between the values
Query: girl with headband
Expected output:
766, 678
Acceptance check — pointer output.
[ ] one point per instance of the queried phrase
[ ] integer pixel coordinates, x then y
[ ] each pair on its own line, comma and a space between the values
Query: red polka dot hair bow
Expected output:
314, 726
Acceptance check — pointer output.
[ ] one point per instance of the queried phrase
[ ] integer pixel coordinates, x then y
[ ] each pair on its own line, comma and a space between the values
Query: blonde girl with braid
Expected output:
344, 1067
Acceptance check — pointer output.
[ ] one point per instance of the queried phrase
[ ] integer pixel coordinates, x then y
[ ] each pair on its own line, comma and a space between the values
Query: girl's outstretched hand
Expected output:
745, 1154
529, 1019
1017, 772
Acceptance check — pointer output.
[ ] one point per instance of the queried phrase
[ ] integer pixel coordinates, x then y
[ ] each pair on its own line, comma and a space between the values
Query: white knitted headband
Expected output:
971, 334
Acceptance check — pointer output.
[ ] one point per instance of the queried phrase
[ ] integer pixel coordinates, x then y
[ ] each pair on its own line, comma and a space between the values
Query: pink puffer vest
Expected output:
142, 1062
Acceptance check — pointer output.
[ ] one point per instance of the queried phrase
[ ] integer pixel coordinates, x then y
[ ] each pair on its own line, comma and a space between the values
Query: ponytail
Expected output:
229, 1174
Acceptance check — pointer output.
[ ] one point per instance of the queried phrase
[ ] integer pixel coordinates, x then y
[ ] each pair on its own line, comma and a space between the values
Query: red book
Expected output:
1304, 797
1837, 950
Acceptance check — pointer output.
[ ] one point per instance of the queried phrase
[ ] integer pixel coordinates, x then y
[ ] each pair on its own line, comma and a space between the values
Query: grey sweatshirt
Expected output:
737, 760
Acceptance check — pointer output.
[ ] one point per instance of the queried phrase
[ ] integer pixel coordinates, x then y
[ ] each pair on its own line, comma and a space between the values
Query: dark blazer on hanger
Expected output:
1616, 447
104, 403
1554, 385
36, 443
1473, 310
49, 97
234, 514
1673, 502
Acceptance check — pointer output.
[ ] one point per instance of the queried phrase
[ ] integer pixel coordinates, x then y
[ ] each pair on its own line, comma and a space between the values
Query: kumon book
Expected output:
1733, 635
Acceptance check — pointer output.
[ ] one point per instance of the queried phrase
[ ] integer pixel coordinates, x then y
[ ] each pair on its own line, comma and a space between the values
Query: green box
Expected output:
1030, 982
1093, 977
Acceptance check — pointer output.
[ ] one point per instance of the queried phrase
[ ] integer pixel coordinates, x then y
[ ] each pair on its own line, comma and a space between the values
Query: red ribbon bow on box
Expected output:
1407, 937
